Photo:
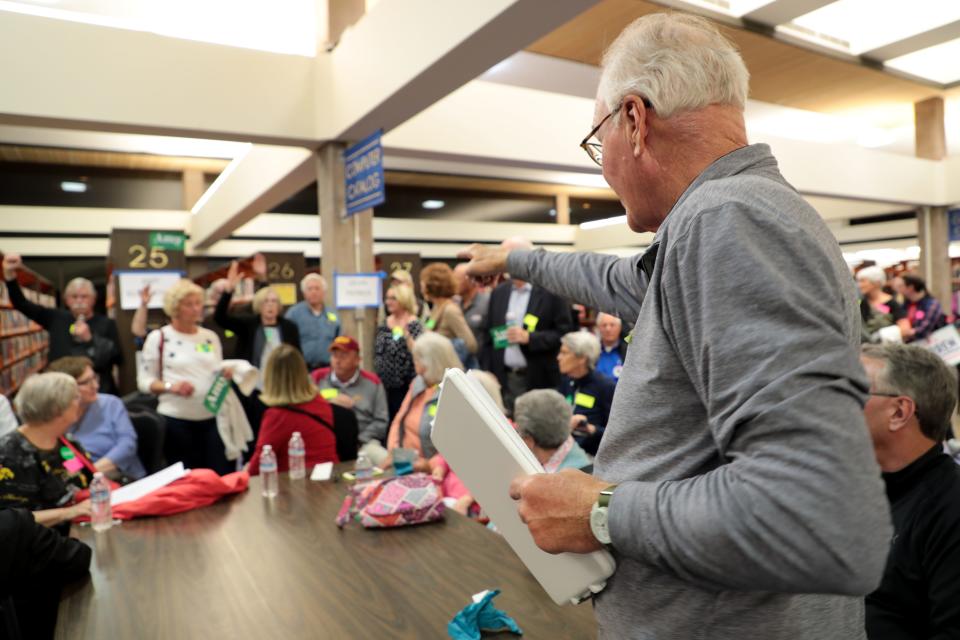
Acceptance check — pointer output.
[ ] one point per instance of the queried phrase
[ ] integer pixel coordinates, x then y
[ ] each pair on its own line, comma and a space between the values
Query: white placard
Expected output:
945, 343
131, 283
140, 488
357, 290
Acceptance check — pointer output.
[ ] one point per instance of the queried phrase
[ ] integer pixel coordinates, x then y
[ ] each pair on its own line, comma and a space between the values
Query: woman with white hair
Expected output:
587, 391
42, 470
879, 309
179, 364
542, 417
410, 430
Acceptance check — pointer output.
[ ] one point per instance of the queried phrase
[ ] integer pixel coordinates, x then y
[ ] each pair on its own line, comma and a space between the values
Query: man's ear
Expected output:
904, 409
636, 124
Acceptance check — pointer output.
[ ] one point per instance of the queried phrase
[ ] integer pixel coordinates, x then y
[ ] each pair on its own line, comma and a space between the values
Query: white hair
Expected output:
873, 274
544, 415
45, 397
583, 345
79, 283
678, 62
310, 277
436, 354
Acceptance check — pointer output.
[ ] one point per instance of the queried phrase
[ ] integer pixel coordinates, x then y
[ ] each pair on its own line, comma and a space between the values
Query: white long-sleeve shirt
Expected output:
190, 357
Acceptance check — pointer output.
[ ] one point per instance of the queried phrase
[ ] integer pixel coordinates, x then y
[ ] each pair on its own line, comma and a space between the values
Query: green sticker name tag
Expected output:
397, 333
167, 240
228, 334
271, 334
214, 398
331, 316
329, 393
584, 400
430, 323
629, 338
530, 322
204, 347
432, 410
499, 335
66, 453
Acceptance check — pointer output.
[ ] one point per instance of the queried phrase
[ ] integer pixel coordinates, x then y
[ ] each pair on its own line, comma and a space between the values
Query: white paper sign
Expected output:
131, 283
945, 343
357, 290
140, 488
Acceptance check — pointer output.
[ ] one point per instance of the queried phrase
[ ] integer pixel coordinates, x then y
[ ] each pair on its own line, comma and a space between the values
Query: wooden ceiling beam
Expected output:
494, 185
109, 159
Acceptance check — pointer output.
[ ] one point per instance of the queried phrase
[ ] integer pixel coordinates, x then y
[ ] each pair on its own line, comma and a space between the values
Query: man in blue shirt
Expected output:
318, 326
613, 349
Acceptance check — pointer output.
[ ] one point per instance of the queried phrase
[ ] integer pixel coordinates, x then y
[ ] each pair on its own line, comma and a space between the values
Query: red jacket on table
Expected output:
278, 425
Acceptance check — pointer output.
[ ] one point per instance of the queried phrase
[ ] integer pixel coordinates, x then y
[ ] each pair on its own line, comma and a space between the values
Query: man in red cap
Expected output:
346, 384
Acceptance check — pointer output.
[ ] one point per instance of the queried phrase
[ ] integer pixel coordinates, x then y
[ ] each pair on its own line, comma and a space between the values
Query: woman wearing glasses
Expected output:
103, 427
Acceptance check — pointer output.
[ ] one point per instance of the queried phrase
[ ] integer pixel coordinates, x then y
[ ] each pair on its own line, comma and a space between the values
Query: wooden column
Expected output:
563, 208
932, 222
346, 245
193, 187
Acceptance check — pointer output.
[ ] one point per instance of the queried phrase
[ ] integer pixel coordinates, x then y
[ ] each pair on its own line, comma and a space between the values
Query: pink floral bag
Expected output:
393, 502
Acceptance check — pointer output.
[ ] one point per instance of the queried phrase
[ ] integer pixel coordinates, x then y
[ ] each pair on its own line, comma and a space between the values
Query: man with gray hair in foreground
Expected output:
735, 483
913, 394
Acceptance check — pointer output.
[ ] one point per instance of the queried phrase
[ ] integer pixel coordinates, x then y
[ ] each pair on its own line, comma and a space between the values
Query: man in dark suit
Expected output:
521, 335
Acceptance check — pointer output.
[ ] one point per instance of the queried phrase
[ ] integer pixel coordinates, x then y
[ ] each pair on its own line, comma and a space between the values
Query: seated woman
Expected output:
39, 469
543, 422
104, 428
293, 404
589, 393
432, 356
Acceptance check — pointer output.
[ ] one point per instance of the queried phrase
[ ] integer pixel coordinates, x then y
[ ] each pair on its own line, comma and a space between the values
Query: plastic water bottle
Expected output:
511, 319
297, 453
268, 472
364, 468
101, 515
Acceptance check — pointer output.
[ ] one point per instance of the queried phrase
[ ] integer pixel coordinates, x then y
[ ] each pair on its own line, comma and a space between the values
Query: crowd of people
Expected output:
763, 460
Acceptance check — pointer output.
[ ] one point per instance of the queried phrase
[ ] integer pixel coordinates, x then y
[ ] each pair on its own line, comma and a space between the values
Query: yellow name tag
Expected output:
331, 316
329, 394
530, 322
204, 347
228, 334
584, 400
432, 410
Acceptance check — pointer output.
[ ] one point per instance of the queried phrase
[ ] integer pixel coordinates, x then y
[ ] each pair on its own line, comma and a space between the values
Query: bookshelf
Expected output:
23, 343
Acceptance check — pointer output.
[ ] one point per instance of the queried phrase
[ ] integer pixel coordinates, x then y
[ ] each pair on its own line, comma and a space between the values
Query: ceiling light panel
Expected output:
940, 63
735, 8
856, 26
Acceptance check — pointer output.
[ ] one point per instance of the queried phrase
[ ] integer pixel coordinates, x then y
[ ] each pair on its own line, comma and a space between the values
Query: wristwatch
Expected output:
598, 516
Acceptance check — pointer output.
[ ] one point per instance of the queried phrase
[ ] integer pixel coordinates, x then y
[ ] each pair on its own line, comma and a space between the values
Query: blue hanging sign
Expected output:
363, 173
954, 223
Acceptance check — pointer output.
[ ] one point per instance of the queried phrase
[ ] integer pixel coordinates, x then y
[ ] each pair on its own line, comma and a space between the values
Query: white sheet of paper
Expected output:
140, 488
131, 283
322, 471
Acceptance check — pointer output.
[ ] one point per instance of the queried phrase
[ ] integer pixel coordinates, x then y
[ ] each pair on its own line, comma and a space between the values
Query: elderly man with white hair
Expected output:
74, 331
735, 483
318, 326
613, 348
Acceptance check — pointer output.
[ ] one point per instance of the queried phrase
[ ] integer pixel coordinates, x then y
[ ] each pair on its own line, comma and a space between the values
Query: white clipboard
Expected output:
486, 453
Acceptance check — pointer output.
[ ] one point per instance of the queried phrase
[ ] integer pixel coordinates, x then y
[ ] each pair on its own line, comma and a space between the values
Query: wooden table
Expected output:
249, 567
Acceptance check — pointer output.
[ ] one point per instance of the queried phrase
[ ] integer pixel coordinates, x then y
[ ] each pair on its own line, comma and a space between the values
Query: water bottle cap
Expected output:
267, 447
296, 433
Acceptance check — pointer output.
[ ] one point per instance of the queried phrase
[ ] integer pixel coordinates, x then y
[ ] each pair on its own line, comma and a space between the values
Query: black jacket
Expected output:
555, 318
919, 596
103, 348
35, 562
246, 326
591, 397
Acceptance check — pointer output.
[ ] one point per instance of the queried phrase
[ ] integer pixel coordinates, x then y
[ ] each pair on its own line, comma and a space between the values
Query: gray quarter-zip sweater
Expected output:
747, 477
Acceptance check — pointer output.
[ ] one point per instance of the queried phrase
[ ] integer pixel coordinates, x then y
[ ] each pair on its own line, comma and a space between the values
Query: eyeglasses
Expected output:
89, 381
595, 149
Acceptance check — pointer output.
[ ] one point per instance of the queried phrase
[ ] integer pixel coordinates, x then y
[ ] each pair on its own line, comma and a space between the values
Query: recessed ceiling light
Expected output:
605, 222
553, 213
433, 204
74, 187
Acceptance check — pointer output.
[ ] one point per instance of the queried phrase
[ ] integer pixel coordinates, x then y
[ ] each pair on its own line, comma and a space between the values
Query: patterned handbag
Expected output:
393, 502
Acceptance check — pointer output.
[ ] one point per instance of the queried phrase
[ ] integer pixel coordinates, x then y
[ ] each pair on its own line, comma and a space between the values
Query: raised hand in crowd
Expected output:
145, 296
